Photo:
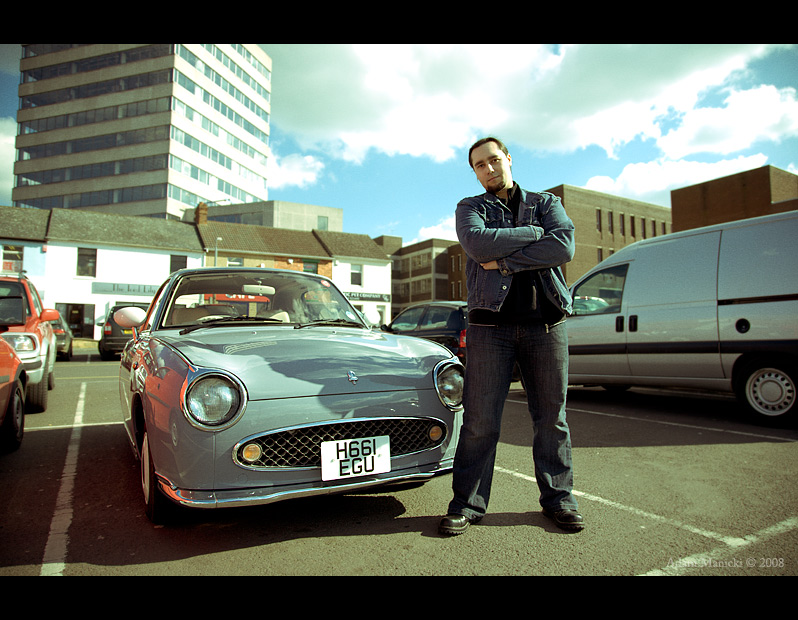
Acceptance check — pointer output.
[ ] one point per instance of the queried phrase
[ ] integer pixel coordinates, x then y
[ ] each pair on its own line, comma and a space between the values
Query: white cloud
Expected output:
444, 229
432, 100
293, 170
747, 117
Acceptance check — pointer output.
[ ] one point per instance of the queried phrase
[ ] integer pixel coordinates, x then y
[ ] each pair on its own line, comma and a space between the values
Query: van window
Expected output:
601, 293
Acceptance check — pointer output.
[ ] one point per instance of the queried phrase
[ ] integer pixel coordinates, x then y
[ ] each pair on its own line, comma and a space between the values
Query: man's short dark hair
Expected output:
482, 141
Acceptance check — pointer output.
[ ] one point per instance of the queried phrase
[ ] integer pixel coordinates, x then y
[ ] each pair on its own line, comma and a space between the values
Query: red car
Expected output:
25, 325
12, 398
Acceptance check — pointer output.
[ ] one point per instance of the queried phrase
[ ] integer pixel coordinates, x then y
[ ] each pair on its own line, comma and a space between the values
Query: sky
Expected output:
382, 131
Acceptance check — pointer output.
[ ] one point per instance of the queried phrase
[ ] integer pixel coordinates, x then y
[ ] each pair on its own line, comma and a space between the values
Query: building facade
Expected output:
147, 130
84, 263
752, 193
420, 271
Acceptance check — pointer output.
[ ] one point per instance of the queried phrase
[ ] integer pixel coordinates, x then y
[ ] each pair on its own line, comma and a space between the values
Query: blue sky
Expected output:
382, 131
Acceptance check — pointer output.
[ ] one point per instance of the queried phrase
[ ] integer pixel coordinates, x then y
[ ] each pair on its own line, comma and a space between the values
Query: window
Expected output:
437, 318
177, 262
407, 320
356, 277
602, 293
87, 262
12, 258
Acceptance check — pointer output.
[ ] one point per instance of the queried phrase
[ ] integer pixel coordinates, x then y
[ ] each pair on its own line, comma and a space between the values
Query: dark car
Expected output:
444, 322
63, 338
114, 338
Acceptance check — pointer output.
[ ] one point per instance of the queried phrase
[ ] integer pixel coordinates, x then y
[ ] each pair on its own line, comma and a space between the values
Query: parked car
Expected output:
712, 308
444, 322
12, 398
114, 338
250, 386
25, 325
63, 338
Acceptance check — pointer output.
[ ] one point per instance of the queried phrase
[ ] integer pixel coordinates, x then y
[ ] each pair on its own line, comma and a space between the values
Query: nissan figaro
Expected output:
245, 386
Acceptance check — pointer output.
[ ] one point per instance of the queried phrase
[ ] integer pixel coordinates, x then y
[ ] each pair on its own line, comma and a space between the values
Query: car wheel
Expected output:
37, 396
768, 389
158, 508
14, 423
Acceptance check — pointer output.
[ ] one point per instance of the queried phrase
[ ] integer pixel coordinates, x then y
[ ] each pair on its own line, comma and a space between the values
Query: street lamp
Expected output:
216, 252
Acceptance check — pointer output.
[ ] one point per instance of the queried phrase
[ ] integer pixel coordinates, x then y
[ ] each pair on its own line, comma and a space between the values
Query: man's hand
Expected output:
490, 265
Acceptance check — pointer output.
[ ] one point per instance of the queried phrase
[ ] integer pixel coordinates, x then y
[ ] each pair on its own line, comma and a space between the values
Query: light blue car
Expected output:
250, 386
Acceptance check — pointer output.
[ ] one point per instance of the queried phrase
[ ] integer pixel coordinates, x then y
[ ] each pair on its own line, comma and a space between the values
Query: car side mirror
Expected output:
130, 317
50, 315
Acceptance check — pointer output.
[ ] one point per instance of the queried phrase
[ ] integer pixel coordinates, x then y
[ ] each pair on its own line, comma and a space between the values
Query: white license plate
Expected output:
350, 458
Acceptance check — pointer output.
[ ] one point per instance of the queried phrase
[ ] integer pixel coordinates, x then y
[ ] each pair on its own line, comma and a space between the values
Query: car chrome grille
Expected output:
301, 447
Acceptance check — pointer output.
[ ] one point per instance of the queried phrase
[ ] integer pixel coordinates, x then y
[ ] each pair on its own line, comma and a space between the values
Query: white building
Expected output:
142, 129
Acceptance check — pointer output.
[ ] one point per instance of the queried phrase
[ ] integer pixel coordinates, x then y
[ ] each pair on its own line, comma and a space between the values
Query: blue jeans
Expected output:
543, 359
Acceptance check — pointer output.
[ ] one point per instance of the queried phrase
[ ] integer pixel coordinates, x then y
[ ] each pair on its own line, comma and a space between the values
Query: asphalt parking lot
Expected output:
669, 483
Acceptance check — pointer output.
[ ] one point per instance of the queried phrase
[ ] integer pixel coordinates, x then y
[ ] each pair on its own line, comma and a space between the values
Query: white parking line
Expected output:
55, 551
713, 429
720, 556
717, 556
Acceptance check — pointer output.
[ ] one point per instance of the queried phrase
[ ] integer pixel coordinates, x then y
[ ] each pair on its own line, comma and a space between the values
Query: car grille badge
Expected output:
352, 377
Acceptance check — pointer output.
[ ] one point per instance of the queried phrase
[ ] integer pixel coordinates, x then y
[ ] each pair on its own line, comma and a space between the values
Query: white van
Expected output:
713, 308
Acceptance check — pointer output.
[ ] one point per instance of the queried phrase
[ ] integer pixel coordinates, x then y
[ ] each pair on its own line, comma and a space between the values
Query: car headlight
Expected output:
22, 343
214, 401
449, 384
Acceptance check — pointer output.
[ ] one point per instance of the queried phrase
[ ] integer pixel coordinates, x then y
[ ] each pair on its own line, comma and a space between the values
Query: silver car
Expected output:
249, 386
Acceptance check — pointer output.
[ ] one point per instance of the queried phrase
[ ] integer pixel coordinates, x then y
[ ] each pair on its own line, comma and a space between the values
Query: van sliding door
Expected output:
671, 311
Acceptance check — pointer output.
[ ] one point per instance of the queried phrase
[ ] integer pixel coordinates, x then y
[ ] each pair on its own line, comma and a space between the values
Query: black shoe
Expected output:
453, 525
566, 519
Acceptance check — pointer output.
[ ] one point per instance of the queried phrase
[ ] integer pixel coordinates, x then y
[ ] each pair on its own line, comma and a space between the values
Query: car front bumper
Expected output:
267, 495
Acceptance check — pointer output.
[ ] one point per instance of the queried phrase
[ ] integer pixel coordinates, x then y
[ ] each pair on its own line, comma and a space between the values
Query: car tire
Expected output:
158, 508
14, 423
768, 390
37, 396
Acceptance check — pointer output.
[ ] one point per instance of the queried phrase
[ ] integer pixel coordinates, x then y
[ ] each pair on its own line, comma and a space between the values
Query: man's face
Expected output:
492, 168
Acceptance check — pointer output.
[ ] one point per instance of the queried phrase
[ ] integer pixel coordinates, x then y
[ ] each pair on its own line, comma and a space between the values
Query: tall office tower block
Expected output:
145, 130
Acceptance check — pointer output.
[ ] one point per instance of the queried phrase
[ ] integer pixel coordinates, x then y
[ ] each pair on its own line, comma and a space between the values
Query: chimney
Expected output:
201, 214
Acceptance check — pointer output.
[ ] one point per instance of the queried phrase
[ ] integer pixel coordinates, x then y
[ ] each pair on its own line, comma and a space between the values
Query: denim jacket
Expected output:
542, 238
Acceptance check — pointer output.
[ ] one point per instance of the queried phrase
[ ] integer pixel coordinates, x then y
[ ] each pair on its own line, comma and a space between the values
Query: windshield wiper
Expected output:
329, 322
213, 322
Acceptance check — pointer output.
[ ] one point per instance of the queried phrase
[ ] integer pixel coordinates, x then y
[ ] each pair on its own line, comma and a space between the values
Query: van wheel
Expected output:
769, 390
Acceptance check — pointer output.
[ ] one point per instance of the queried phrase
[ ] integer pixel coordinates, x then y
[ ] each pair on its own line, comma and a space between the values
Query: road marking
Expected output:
664, 423
55, 550
728, 540
682, 425
698, 560
720, 556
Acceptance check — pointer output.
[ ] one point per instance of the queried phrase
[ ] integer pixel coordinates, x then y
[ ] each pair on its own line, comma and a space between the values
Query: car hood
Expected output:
282, 362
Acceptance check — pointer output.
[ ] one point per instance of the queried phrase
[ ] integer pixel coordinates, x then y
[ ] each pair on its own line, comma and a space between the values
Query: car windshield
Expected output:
222, 297
13, 304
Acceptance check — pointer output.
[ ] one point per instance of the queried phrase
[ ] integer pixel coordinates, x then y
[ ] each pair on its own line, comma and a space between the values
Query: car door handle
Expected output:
619, 323
633, 323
